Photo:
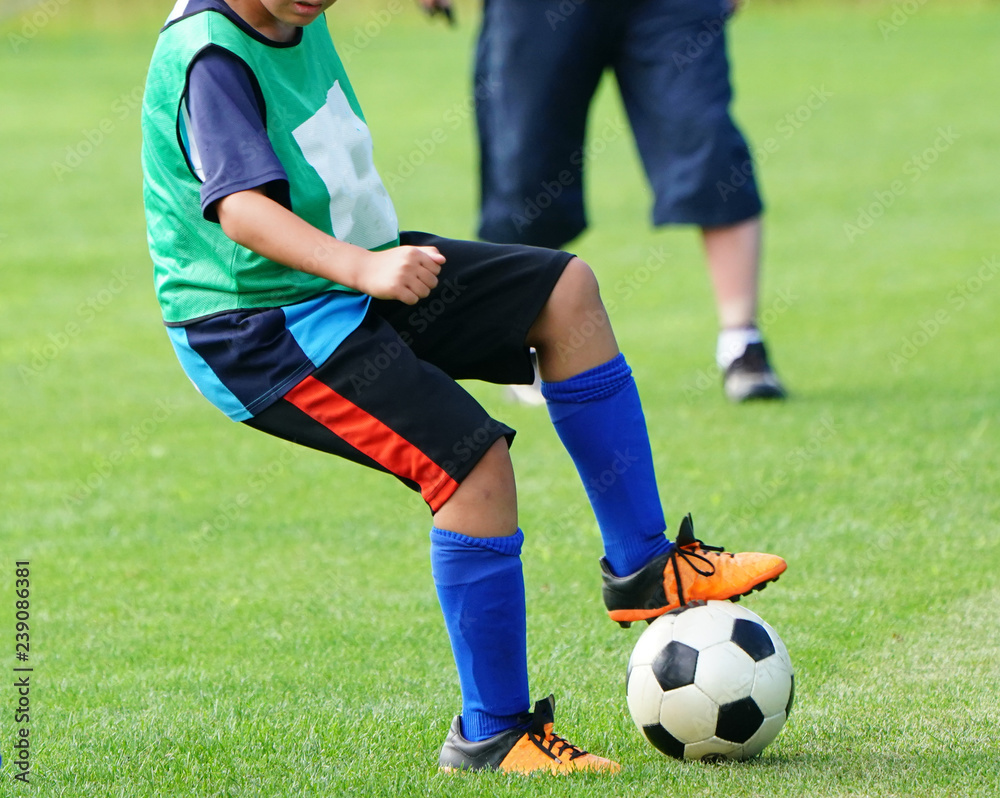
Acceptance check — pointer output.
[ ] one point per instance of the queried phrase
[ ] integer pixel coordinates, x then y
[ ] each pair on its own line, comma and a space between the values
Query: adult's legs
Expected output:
674, 76
733, 255
537, 68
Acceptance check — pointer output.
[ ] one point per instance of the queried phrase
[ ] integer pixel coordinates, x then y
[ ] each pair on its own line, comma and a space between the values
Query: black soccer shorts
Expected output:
388, 398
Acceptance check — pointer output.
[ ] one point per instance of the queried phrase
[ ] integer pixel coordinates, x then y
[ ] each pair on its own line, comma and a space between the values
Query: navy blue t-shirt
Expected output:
225, 120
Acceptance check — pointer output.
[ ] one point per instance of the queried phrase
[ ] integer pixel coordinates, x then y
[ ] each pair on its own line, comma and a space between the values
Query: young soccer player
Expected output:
297, 307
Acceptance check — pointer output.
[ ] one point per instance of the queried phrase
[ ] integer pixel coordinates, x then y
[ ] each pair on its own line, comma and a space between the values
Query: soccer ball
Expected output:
710, 682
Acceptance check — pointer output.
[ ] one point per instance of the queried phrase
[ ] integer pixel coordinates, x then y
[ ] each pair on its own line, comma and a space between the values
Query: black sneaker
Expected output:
520, 750
750, 377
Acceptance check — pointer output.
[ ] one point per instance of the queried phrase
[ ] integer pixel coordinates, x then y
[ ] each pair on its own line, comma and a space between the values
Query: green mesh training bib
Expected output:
317, 130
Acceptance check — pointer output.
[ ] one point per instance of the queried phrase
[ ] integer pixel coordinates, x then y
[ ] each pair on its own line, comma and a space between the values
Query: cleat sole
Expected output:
625, 618
755, 589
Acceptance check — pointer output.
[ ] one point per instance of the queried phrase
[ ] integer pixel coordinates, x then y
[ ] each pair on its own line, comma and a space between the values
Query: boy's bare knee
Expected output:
578, 284
485, 504
573, 332
574, 295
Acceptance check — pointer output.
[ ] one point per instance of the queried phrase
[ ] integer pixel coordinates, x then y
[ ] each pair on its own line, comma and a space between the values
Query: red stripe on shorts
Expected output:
373, 438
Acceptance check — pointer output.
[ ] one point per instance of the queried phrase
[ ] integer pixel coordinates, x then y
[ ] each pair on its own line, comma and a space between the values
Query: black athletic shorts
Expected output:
387, 397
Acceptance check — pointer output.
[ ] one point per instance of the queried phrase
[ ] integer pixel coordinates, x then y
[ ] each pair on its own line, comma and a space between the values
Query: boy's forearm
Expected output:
255, 221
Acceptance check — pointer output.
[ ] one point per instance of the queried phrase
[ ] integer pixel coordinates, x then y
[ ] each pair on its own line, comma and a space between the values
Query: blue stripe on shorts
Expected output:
245, 360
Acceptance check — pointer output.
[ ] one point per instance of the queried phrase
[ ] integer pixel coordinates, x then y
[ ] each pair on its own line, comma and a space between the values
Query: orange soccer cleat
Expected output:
691, 572
519, 750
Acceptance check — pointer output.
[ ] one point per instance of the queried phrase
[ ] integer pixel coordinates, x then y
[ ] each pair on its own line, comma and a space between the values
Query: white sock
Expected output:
733, 342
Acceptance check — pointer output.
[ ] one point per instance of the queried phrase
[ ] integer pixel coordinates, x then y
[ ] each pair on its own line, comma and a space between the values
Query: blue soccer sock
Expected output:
599, 419
481, 590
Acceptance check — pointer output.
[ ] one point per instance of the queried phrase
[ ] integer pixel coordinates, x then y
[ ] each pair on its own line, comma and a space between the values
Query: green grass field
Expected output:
216, 613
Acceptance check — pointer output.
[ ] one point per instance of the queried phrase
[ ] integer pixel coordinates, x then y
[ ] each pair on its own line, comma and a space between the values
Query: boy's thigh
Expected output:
474, 324
375, 403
